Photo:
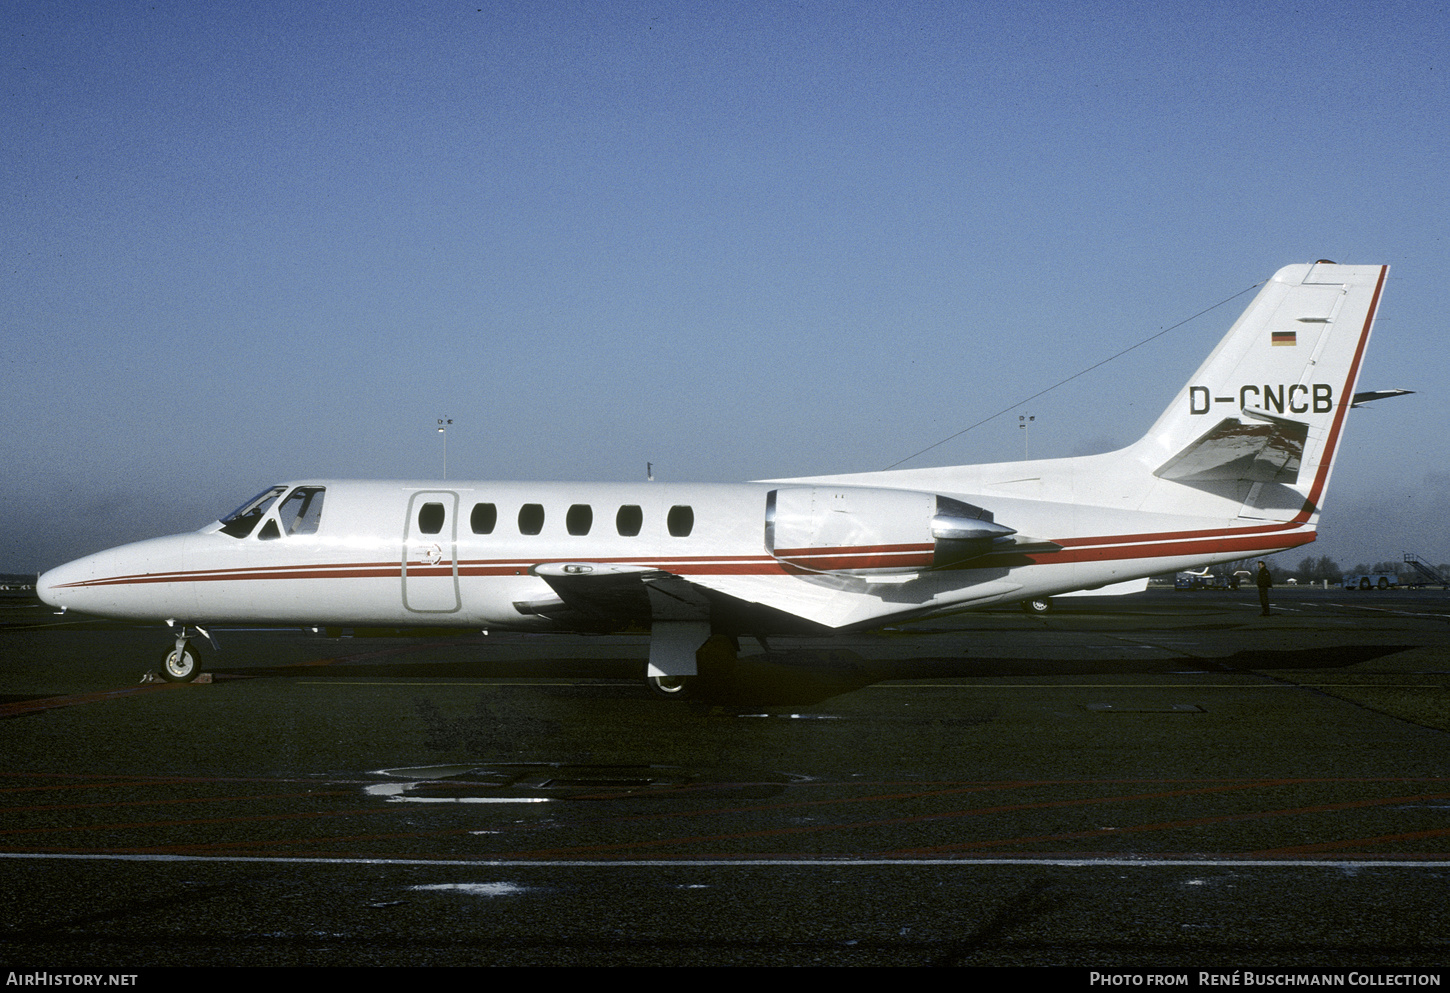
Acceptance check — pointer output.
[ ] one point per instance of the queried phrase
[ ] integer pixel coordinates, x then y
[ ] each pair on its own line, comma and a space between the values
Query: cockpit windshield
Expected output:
301, 511
240, 522
298, 514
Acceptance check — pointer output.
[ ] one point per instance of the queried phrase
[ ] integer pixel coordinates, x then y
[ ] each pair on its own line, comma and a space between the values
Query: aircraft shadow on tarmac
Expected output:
812, 676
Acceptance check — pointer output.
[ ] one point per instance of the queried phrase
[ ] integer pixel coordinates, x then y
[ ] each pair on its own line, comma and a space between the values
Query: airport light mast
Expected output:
443, 423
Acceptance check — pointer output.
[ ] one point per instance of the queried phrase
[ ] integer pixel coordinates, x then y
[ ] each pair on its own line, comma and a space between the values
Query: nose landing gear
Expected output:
183, 663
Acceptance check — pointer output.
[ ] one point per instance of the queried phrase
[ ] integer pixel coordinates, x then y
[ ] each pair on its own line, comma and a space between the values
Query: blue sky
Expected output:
244, 243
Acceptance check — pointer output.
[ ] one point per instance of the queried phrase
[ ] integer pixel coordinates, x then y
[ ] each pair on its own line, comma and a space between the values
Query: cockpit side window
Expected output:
240, 522
302, 510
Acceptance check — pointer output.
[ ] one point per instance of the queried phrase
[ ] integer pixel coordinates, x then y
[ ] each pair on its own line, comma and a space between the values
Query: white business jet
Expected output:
1236, 467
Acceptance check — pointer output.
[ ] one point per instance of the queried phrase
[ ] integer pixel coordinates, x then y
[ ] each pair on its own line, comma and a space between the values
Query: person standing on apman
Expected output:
1263, 581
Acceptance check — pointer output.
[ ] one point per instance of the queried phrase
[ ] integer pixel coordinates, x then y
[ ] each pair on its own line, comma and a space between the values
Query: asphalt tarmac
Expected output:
1165, 780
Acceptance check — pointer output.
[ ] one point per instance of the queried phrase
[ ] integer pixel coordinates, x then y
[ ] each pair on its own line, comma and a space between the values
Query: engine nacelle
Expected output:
862, 531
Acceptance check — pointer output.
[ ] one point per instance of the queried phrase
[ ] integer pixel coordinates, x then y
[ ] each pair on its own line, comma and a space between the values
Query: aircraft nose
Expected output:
141, 580
56, 586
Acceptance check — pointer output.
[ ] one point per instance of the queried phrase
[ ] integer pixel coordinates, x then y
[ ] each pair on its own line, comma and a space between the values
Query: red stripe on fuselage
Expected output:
1171, 548
1095, 549
792, 553
360, 570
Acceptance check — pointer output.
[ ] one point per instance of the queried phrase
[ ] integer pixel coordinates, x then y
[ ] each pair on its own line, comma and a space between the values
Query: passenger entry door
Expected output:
430, 553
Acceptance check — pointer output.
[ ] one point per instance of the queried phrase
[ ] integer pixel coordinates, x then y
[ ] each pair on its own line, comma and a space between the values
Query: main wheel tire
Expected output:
182, 666
674, 687
714, 661
1038, 605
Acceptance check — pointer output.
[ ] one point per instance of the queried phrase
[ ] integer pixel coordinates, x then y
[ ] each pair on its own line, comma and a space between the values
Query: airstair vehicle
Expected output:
1431, 575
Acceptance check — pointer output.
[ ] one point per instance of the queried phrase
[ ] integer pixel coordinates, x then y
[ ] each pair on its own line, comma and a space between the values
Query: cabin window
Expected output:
430, 518
240, 522
301, 512
681, 521
628, 521
531, 518
579, 519
483, 518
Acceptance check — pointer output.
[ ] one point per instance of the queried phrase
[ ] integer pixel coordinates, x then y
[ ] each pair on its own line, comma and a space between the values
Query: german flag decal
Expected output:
1283, 337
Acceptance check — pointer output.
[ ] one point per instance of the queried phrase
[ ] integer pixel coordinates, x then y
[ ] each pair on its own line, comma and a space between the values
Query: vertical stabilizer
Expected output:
1264, 414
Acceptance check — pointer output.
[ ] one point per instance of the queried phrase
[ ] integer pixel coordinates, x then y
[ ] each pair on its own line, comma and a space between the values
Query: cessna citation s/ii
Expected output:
1236, 466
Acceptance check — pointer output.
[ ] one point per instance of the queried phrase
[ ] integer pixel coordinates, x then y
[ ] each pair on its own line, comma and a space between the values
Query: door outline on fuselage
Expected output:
430, 593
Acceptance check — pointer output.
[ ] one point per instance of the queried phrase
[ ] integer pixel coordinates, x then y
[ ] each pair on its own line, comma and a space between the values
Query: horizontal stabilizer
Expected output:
1360, 399
1269, 451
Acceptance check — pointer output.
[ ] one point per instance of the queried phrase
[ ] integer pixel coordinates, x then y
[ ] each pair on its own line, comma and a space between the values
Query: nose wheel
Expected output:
183, 663
180, 665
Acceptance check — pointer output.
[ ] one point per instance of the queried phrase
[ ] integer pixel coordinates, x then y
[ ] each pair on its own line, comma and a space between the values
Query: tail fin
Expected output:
1262, 417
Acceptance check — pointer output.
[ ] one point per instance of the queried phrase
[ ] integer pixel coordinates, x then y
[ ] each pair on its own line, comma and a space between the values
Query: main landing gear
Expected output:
183, 663
677, 687
714, 659
1038, 605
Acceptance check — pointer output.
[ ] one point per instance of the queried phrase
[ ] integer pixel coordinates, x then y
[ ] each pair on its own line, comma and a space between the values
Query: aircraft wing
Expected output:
621, 594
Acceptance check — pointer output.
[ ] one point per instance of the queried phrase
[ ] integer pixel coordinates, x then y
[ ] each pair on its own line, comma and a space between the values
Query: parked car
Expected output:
1200, 581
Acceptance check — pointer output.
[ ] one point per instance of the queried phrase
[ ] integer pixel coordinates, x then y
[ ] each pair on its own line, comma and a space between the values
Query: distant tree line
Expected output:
1312, 569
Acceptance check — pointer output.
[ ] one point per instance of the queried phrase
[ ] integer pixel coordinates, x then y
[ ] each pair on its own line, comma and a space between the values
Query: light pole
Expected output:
443, 423
1025, 423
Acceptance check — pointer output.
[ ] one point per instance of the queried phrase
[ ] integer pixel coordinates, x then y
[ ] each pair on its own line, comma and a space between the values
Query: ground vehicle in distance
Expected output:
1424, 574
1372, 581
